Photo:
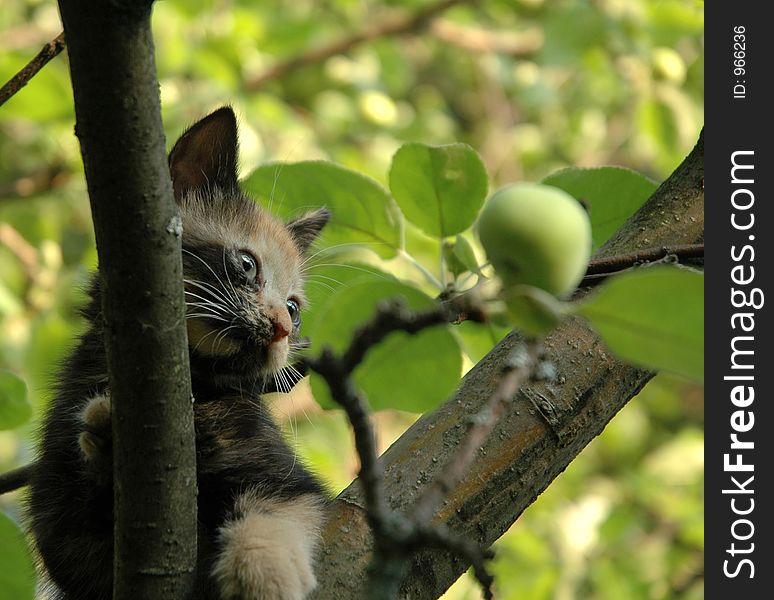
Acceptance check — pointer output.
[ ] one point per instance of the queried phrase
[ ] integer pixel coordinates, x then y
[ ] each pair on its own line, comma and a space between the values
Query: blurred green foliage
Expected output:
533, 86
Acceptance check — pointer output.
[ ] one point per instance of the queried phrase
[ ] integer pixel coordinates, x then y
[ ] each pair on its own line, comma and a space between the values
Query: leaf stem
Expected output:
422, 269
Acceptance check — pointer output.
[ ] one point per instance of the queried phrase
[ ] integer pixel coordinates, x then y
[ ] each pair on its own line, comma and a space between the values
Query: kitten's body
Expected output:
259, 509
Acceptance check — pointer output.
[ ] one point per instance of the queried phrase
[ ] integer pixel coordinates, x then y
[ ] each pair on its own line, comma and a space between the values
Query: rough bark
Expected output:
138, 234
547, 427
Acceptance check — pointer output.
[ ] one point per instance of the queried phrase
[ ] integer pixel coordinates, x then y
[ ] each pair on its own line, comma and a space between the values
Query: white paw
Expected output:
95, 439
267, 553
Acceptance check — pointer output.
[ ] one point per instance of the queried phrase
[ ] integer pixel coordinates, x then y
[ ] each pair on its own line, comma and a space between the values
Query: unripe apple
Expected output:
536, 235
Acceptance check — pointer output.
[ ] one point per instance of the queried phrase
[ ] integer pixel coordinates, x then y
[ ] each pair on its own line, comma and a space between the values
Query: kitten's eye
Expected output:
249, 266
294, 311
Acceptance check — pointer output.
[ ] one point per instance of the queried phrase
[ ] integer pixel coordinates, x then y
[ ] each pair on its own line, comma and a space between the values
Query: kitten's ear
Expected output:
205, 156
305, 229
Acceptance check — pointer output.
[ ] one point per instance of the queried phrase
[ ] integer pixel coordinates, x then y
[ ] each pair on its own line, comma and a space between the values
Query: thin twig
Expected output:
395, 536
23, 77
479, 39
343, 392
439, 536
25, 252
630, 259
46, 178
18, 478
389, 318
390, 27
518, 370
601, 268
393, 316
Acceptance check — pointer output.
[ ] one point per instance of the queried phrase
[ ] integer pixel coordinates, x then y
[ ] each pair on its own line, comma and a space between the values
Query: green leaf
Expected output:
15, 408
362, 211
17, 574
653, 317
533, 310
612, 195
327, 280
439, 188
459, 256
404, 372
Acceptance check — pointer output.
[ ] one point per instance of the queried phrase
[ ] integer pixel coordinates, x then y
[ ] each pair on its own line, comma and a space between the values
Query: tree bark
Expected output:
550, 423
138, 234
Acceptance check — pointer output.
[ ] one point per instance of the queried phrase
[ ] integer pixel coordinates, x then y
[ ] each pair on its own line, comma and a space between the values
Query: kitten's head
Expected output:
243, 268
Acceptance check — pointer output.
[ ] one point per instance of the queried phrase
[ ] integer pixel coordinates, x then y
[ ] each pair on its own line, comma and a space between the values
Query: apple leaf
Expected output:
439, 188
652, 317
404, 372
17, 575
362, 211
611, 194
15, 408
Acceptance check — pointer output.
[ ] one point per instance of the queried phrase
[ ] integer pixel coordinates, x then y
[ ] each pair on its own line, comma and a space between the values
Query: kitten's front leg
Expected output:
267, 549
95, 439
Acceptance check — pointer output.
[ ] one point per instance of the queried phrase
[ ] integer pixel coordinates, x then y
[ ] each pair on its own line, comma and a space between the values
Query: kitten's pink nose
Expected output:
280, 331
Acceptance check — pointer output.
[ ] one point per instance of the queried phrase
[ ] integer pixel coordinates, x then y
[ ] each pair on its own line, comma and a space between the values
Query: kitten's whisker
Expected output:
221, 337
354, 267
277, 382
319, 276
210, 305
213, 308
204, 262
328, 287
274, 184
295, 372
204, 337
228, 278
206, 316
211, 289
285, 381
327, 249
202, 298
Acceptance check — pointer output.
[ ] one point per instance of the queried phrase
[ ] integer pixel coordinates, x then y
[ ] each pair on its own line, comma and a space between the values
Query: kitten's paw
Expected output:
95, 441
267, 551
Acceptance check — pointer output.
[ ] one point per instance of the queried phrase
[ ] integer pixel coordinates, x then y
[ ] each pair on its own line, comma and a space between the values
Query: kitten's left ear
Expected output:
205, 156
305, 229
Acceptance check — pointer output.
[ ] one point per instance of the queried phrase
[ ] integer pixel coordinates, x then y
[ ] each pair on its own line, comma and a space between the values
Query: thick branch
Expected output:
138, 236
31, 69
518, 369
549, 426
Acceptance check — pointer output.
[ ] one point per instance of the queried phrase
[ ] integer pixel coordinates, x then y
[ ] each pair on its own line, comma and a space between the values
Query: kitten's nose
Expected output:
280, 331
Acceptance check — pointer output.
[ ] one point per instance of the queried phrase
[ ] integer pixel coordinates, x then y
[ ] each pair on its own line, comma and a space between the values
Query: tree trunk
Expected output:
138, 233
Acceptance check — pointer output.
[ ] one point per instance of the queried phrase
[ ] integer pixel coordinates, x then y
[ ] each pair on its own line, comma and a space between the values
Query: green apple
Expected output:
536, 235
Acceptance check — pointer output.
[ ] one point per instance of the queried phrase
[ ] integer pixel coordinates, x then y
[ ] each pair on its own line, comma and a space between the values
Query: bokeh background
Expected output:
532, 85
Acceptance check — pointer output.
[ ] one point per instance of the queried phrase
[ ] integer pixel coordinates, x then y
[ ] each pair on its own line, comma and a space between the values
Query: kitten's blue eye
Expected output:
294, 311
249, 266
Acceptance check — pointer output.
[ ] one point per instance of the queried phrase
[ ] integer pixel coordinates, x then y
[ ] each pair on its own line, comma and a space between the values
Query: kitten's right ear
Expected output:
306, 228
205, 156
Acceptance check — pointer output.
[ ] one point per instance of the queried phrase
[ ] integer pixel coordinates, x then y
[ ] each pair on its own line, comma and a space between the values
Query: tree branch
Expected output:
517, 370
479, 39
138, 234
31, 69
529, 447
386, 28
18, 478
396, 536
601, 268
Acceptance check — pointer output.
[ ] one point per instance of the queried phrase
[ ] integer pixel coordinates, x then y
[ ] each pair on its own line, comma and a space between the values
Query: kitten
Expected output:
260, 510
